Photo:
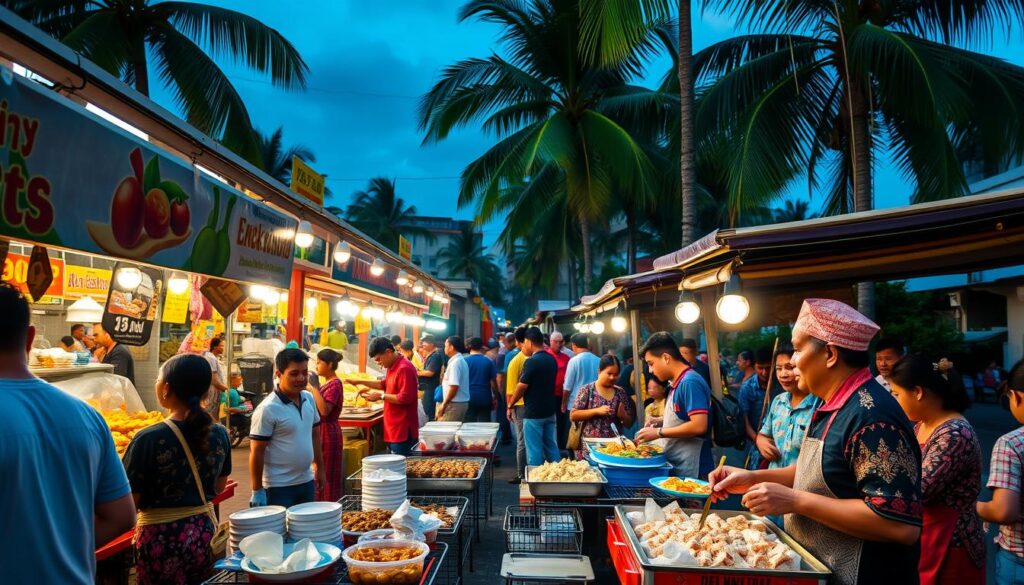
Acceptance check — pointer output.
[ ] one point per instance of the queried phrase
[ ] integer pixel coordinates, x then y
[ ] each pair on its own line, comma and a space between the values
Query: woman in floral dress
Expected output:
601, 403
329, 402
176, 523
952, 540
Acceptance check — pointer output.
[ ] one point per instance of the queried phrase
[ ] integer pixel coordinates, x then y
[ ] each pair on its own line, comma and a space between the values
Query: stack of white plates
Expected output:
394, 463
317, 521
252, 520
386, 493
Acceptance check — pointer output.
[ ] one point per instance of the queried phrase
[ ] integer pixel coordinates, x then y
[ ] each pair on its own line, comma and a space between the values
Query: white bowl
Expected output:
314, 511
317, 536
318, 525
246, 530
257, 516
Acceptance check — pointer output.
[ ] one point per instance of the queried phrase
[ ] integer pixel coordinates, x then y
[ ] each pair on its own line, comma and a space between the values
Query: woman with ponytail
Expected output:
164, 462
328, 399
952, 540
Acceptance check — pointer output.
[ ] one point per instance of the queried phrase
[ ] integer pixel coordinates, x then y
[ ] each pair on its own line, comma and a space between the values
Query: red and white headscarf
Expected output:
837, 323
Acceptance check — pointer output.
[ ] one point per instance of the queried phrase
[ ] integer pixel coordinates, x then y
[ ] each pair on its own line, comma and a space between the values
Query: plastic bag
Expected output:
105, 391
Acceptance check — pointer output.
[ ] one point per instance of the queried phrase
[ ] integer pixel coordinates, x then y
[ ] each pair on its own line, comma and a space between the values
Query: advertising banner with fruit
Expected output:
72, 180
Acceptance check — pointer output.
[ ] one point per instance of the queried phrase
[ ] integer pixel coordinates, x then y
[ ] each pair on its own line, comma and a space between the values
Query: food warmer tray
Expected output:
355, 504
436, 484
560, 489
812, 571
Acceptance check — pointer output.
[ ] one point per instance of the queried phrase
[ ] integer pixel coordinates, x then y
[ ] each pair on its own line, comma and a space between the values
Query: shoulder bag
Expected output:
575, 440
218, 544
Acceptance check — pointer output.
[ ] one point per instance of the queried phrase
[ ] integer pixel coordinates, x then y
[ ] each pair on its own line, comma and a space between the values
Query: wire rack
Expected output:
339, 576
354, 503
626, 495
529, 529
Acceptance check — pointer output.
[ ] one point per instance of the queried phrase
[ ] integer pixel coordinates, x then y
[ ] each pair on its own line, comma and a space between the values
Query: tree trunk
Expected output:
630, 244
687, 157
571, 279
863, 187
587, 259
140, 69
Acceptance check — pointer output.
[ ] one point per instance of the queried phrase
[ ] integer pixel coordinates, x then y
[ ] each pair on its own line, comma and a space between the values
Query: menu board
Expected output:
129, 314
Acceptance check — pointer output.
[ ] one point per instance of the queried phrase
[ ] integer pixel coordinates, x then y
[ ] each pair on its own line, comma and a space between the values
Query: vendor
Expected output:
113, 353
853, 498
685, 426
398, 391
83, 342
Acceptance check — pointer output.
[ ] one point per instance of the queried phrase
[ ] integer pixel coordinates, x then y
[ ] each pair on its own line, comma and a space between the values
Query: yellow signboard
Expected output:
323, 316
85, 282
176, 306
404, 248
363, 324
307, 182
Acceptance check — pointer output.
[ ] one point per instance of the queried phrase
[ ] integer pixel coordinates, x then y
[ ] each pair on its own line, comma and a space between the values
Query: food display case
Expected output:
634, 567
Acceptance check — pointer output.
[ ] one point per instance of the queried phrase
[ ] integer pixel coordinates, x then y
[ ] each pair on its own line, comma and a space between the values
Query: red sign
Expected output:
16, 273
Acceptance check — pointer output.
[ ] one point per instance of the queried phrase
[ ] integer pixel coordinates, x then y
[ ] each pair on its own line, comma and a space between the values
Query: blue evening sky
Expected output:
369, 64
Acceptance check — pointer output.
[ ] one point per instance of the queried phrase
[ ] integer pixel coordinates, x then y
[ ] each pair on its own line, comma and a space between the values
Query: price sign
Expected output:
130, 311
16, 273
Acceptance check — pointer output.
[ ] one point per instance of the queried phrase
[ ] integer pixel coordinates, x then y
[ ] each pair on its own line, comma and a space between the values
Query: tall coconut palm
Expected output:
544, 104
180, 40
465, 257
824, 85
793, 210
381, 214
276, 159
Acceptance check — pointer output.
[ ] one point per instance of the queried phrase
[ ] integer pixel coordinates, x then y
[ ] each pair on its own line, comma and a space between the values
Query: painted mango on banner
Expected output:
70, 179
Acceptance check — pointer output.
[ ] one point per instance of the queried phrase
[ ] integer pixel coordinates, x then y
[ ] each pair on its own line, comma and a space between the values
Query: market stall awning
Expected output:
957, 235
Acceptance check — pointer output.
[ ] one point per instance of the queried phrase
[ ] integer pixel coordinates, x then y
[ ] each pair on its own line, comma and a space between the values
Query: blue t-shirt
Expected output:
582, 370
508, 360
751, 401
693, 396
481, 372
61, 462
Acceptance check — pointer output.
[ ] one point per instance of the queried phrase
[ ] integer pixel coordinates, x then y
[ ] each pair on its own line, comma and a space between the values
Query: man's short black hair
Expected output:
457, 344
215, 343
286, 357
689, 343
534, 335
14, 325
67, 340
408, 345
661, 343
428, 338
520, 334
580, 340
890, 342
396, 340
475, 344
764, 355
379, 345
76, 327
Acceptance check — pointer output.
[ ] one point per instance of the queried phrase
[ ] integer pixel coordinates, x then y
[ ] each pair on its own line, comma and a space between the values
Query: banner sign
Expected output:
82, 281
75, 181
357, 271
307, 182
176, 306
404, 248
250, 312
130, 312
16, 273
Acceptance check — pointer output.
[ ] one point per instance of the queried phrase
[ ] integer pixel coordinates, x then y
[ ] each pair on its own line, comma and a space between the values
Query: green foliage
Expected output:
753, 340
381, 214
916, 318
465, 257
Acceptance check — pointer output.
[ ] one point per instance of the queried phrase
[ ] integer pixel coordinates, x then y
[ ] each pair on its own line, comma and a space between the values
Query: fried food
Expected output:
687, 486
441, 468
565, 470
366, 521
441, 512
406, 574
631, 451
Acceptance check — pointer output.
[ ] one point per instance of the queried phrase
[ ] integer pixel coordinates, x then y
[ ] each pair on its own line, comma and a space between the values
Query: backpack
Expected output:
728, 428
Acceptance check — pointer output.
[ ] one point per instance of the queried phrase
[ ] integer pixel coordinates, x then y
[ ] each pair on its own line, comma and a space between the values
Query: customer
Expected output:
1005, 482
176, 467
515, 409
430, 375
626, 375
687, 415
742, 370
655, 411
284, 440
337, 338
111, 352
752, 402
601, 404
408, 349
562, 355
329, 398
537, 388
509, 349
218, 385
455, 384
65, 489
952, 540
581, 370
888, 351
67, 343
401, 411
483, 388
688, 347
83, 342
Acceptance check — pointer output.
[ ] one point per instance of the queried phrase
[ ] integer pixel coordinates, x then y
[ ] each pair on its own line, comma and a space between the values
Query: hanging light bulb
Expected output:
403, 278
377, 268
395, 316
304, 235
311, 303
619, 323
177, 283
417, 287
258, 292
442, 299
342, 252
129, 277
584, 327
344, 306
597, 327
272, 297
576, 325
430, 293
733, 308
284, 297
687, 309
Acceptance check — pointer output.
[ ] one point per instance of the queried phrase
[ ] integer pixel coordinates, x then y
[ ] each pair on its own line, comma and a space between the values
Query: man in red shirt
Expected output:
562, 359
401, 415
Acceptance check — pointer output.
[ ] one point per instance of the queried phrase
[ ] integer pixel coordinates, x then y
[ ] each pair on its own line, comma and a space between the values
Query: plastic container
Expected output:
390, 534
407, 572
637, 477
436, 439
476, 440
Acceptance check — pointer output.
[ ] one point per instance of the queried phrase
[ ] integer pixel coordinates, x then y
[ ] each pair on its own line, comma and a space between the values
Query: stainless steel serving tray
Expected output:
810, 567
562, 489
419, 485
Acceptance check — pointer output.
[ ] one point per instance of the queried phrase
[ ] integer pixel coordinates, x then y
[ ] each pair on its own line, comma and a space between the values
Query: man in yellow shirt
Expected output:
337, 338
515, 368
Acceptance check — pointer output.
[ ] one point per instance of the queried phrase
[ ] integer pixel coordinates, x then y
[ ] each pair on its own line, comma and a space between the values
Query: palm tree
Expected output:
129, 37
793, 210
276, 159
825, 84
544, 102
381, 214
465, 257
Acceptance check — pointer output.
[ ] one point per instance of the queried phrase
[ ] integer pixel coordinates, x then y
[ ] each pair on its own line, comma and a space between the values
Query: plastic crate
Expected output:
529, 529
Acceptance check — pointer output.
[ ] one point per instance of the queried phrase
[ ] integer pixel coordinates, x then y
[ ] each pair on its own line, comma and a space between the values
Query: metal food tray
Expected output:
355, 504
448, 484
550, 489
811, 568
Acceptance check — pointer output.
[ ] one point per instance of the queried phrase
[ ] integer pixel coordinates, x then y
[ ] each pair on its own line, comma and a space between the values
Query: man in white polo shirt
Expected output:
455, 401
284, 440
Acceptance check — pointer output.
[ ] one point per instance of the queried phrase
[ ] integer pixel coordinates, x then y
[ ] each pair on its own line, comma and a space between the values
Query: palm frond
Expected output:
611, 29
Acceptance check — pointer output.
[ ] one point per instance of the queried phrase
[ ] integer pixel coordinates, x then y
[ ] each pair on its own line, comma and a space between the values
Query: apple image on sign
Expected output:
146, 214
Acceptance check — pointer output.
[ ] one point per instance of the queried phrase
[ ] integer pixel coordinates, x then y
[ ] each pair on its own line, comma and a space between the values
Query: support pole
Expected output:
707, 301
229, 356
638, 368
296, 301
